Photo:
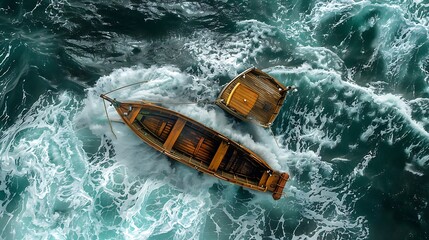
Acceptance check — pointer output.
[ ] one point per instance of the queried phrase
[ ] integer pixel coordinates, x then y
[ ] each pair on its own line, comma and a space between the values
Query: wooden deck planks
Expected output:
161, 128
242, 99
200, 142
155, 124
269, 100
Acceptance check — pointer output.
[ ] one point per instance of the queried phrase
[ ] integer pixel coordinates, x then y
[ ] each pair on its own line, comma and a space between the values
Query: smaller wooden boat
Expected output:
253, 95
197, 146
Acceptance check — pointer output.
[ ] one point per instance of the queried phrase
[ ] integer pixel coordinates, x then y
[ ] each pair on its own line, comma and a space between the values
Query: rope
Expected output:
275, 140
129, 85
178, 103
126, 86
110, 122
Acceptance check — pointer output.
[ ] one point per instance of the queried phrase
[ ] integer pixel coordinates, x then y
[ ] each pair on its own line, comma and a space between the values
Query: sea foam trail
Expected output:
354, 146
353, 123
338, 99
116, 192
182, 201
42, 156
306, 160
142, 161
118, 189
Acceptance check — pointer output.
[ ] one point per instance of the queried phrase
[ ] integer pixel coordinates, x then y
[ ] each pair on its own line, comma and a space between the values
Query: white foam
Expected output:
73, 192
190, 189
322, 57
369, 132
326, 207
410, 168
42, 146
157, 197
339, 159
5, 55
219, 56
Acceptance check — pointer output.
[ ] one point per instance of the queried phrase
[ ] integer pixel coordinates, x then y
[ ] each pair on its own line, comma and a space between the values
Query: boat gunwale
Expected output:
272, 183
158, 146
212, 131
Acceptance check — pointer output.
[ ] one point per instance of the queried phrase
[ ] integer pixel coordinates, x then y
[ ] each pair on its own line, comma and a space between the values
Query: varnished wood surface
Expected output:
191, 143
219, 155
174, 134
269, 94
242, 99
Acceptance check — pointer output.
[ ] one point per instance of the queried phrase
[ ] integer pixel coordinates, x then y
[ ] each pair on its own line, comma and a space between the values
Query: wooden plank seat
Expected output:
174, 134
218, 157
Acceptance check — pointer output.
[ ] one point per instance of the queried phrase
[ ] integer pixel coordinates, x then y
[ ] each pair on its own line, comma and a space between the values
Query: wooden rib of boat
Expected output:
253, 95
193, 144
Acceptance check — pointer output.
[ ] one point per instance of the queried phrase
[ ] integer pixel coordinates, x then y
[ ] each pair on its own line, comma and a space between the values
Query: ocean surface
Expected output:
354, 138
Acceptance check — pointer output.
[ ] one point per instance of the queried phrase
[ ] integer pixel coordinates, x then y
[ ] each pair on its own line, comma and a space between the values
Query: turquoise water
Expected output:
354, 138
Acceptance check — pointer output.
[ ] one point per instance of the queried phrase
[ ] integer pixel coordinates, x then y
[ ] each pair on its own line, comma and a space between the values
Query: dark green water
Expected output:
354, 138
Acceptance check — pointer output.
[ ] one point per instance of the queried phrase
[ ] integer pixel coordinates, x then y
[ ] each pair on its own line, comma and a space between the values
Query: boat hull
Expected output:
197, 146
253, 96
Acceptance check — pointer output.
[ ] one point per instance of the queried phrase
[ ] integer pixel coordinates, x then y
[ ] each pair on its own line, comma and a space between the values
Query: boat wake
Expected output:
354, 138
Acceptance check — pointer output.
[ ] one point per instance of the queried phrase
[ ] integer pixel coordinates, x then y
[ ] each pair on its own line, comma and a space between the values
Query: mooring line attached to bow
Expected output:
178, 103
185, 103
110, 122
272, 134
129, 85
126, 86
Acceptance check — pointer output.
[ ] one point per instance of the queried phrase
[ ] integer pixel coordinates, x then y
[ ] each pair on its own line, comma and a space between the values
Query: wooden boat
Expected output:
193, 144
253, 95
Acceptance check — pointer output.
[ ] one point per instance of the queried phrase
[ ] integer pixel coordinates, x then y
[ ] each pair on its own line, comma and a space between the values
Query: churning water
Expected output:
355, 138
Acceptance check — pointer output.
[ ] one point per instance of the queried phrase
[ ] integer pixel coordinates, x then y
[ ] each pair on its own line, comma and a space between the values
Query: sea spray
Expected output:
354, 138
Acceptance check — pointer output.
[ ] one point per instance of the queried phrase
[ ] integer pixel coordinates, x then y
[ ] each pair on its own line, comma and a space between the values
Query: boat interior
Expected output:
199, 146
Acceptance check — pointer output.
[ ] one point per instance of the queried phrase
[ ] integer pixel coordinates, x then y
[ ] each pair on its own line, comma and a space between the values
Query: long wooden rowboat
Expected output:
191, 143
253, 95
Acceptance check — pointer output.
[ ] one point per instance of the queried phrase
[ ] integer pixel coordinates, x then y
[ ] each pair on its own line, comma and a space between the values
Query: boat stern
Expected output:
275, 183
278, 190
